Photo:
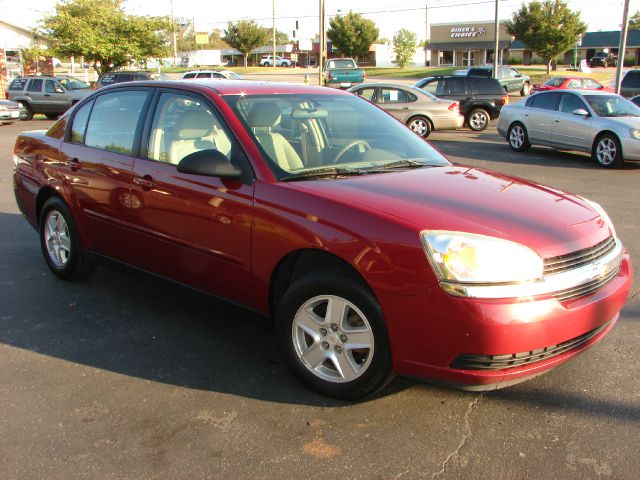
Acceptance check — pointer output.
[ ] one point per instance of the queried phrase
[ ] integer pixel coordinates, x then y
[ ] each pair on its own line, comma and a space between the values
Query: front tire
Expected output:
607, 152
332, 335
29, 112
478, 119
59, 242
518, 138
420, 125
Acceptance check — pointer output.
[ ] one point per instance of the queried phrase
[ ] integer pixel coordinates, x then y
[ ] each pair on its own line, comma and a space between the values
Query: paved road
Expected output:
116, 377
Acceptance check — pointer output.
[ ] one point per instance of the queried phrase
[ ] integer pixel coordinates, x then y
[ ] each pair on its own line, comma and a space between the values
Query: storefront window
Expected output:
446, 57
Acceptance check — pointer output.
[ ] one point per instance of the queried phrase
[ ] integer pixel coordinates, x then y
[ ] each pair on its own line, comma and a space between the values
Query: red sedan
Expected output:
574, 83
371, 252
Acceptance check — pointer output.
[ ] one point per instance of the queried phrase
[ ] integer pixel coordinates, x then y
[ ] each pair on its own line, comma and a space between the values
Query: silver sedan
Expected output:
419, 110
603, 124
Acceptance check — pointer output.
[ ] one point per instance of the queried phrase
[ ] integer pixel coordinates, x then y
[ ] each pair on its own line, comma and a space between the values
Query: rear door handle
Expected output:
145, 182
47, 95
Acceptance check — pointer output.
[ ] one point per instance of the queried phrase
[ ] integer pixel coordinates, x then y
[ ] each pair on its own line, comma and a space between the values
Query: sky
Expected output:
389, 15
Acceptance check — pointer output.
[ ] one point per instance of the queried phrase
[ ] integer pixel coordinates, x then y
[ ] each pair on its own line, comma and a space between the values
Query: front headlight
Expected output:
635, 133
2, 107
468, 258
605, 217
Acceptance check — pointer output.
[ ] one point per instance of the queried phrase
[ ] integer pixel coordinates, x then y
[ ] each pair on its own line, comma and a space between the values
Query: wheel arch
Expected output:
45, 194
298, 262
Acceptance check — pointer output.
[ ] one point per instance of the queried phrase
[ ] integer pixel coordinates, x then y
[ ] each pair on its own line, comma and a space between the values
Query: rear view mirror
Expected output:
212, 163
581, 112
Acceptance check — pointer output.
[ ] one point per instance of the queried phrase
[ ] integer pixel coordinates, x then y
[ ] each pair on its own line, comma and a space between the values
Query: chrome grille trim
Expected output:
572, 260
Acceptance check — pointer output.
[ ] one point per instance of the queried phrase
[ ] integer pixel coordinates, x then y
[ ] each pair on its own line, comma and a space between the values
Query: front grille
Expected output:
562, 263
586, 288
498, 362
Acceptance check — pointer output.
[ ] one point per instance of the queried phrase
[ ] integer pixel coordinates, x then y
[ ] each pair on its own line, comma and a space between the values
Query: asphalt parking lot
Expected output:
118, 377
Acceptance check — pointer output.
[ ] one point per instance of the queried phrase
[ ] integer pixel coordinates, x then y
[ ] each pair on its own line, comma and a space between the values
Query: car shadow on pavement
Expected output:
132, 324
484, 149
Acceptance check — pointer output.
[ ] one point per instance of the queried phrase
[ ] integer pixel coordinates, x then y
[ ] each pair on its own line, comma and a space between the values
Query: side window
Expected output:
125, 77
575, 83
114, 120
183, 125
588, 83
217, 75
546, 101
631, 80
189, 75
432, 87
514, 73
140, 77
35, 85
108, 79
50, 86
79, 124
203, 75
570, 102
393, 95
18, 84
367, 93
456, 86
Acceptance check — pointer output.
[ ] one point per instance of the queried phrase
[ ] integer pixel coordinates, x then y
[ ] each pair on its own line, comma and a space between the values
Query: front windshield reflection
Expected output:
301, 133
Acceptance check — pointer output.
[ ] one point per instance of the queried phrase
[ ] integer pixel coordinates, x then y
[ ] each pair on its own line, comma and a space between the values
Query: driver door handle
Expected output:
145, 182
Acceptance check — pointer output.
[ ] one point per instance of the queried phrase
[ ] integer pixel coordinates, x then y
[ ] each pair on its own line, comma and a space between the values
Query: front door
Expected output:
197, 228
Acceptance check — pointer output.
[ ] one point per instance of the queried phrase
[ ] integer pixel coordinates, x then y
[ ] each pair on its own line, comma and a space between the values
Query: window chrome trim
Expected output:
548, 285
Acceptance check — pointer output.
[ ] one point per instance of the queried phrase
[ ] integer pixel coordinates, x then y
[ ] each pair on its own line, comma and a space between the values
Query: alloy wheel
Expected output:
478, 120
516, 137
420, 126
606, 151
57, 238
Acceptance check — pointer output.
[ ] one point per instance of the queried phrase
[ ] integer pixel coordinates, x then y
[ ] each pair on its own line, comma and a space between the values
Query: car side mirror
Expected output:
581, 112
210, 163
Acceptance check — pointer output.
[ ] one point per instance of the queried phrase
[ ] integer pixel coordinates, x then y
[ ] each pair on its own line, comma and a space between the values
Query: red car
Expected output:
574, 83
372, 253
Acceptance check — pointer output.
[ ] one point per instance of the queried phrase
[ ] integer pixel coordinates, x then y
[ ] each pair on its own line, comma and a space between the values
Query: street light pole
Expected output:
623, 45
426, 33
273, 14
322, 45
495, 51
173, 28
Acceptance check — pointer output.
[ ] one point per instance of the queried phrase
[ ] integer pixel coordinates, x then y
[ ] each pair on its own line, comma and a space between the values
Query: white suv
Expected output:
267, 61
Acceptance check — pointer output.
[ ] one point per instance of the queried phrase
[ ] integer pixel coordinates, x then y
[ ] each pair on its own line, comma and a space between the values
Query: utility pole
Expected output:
273, 16
495, 51
623, 45
173, 27
426, 32
323, 43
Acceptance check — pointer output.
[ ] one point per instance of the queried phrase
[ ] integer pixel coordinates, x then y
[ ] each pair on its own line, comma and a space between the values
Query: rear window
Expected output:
555, 81
189, 75
341, 63
18, 84
480, 72
108, 79
485, 86
631, 79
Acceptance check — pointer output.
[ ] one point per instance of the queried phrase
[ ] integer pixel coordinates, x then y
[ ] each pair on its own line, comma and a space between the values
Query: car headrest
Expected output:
264, 114
193, 125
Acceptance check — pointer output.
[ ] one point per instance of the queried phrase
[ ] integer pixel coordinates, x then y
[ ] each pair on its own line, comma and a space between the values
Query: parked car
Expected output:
417, 109
573, 83
10, 111
480, 98
342, 73
119, 77
635, 100
222, 74
49, 95
603, 59
603, 124
510, 78
630, 85
267, 61
371, 252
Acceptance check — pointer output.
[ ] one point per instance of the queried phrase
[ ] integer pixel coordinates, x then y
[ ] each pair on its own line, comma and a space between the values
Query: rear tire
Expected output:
518, 138
332, 335
478, 119
607, 152
420, 125
29, 111
59, 242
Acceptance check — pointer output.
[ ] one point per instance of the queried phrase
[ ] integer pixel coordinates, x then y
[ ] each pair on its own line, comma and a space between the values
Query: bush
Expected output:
629, 61
537, 61
515, 61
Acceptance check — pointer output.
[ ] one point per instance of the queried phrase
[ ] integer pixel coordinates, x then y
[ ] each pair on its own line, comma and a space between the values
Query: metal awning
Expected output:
467, 45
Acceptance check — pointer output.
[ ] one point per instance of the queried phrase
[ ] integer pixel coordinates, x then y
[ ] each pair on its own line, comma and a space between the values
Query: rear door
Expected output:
539, 116
397, 101
98, 152
570, 130
35, 95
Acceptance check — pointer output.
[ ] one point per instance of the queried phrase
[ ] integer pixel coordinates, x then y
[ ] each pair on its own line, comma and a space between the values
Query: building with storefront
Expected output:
464, 44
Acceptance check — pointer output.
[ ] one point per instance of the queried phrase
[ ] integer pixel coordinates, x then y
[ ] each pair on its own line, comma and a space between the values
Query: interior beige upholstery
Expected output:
193, 132
263, 116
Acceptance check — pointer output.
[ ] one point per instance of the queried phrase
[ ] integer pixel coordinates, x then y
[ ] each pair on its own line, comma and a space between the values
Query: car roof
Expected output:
235, 87
578, 92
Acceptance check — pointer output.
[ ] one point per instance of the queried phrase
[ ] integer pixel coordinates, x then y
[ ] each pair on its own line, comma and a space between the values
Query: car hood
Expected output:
473, 200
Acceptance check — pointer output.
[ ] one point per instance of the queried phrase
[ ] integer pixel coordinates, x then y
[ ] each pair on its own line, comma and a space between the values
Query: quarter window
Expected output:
80, 123
183, 125
114, 121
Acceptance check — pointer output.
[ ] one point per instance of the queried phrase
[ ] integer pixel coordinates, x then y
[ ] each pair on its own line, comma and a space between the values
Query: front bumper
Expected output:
430, 332
630, 148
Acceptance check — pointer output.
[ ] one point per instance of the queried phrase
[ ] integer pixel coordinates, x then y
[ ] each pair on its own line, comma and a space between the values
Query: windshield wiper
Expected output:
399, 164
323, 172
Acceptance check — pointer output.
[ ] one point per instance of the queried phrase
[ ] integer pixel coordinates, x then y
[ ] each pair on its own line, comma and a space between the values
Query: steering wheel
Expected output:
349, 146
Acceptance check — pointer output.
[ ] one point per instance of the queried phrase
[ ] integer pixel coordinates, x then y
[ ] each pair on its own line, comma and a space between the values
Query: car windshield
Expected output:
304, 133
73, 84
554, 82
612, 106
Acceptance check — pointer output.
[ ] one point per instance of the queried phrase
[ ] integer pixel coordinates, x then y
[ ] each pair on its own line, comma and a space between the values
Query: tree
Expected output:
352, 34
634, 21
549, 28
104, 35
404, 46
244, 35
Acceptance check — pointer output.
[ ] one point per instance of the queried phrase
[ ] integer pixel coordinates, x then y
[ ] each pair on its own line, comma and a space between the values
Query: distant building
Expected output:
13, 40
